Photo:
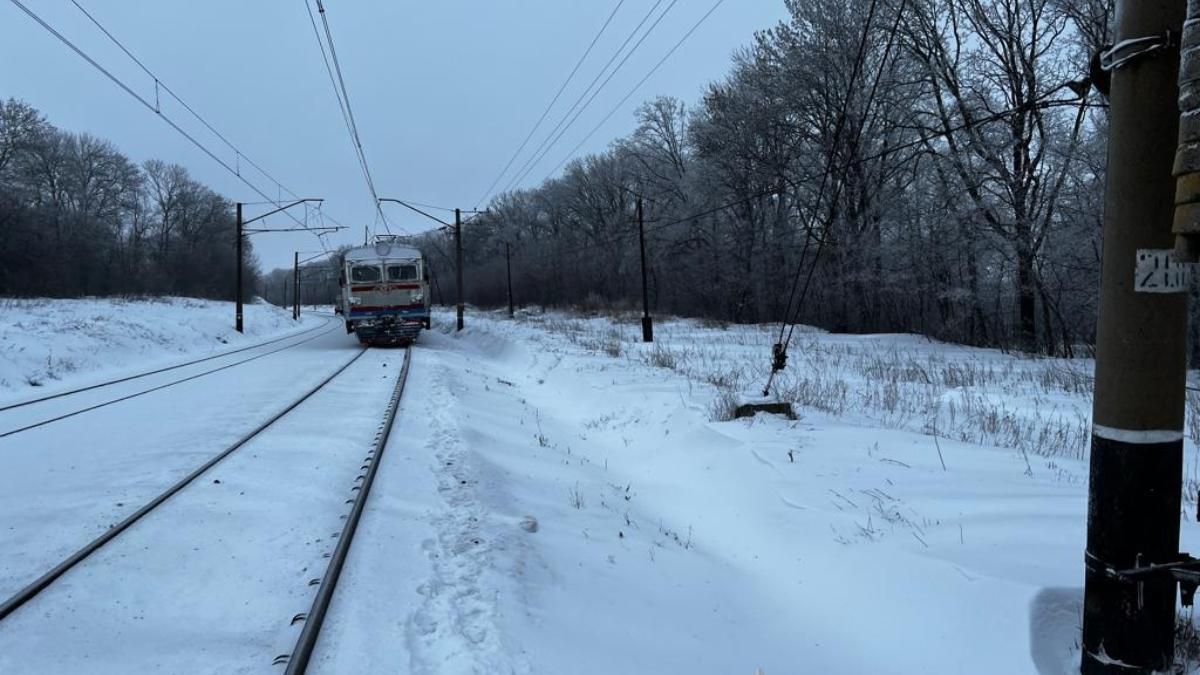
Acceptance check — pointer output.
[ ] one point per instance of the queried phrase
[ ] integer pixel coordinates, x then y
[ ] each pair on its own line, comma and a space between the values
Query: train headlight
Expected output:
355, 300
418, 297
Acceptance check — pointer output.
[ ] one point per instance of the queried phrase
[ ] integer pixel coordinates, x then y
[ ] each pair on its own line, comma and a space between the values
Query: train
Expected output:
384, 292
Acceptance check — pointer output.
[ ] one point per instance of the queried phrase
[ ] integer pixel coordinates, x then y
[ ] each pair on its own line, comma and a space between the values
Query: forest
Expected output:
79, 218
953, 186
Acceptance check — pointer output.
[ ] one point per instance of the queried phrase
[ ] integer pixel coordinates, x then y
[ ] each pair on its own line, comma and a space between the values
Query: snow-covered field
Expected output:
45, 344
558, 497
591, 513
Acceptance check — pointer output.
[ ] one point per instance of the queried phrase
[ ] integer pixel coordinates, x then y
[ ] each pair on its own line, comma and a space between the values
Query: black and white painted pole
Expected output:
1138, 417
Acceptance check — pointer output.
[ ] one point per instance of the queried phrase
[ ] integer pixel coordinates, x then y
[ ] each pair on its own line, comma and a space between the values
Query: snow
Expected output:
670, 542
171, 594
46, 344
558, 497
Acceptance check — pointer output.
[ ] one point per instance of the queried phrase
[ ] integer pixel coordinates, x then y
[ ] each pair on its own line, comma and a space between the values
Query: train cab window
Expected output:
364, 274
402, 272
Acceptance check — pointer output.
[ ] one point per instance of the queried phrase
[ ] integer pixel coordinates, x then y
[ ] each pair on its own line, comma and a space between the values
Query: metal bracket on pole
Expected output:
1185, 570
1126, 51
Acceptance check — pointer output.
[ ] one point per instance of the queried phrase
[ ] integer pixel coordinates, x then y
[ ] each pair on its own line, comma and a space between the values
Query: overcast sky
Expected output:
443, 90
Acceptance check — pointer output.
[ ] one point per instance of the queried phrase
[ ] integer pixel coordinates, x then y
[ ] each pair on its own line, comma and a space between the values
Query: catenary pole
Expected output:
237, 292
458, 254
508, 271
296, 288
647, 322
1138, 414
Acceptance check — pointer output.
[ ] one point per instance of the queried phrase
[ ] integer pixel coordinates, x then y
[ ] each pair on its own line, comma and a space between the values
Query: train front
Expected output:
385, 294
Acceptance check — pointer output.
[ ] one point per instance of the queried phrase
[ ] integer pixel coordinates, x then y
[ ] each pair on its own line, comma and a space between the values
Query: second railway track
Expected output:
137, 376
297, 660
303, 338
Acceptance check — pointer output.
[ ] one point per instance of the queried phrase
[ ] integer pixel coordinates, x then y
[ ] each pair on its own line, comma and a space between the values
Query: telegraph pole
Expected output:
1138, 416
647, 322
508, 270
458, 253
296, 289
238, 290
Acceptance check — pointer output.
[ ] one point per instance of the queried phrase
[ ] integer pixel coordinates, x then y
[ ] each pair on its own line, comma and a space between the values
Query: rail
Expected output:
298, 660
31, 591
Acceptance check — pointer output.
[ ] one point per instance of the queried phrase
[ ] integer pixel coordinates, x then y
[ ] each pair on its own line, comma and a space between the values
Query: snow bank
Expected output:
50, 343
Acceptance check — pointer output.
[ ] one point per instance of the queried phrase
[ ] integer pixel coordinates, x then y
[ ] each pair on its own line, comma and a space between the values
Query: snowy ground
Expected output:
45, 344
558, 497
665, 541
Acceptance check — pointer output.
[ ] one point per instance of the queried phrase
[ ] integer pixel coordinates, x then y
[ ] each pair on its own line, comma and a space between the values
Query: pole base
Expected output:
647, 329
749, 406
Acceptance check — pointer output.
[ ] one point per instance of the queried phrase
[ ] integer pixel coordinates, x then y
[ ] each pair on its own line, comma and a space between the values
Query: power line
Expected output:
537, 125
159, 84
347, 109
329, 69
428, 206
635, 88
348, 112
149, 106
544, 147
539, 157
597, 93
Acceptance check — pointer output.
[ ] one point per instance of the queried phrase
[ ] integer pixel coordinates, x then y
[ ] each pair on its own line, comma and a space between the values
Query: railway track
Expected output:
156, 371
172, 383
298, 660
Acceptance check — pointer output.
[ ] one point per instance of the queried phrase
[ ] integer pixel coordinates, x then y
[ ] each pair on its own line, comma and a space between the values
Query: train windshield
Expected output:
364, 274
402, 272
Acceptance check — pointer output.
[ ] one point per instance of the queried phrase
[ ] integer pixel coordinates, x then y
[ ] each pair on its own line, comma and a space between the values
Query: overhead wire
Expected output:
549, 106
157, 110
551, 138
428, 206
159, 84
343, 95
635, 88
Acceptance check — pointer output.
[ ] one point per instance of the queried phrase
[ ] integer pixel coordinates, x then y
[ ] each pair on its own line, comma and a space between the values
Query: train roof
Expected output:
382, 251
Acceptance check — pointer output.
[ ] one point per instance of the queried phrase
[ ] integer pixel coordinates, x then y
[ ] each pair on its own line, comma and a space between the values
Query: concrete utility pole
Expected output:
237, 324
1138, 418
508, 270
647, 322
458, 254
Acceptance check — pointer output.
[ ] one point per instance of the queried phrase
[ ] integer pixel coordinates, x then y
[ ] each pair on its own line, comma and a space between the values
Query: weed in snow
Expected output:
575, 497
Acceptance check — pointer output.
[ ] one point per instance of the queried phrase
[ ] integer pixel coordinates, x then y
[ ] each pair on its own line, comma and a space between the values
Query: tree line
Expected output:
78, 217
935, 166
